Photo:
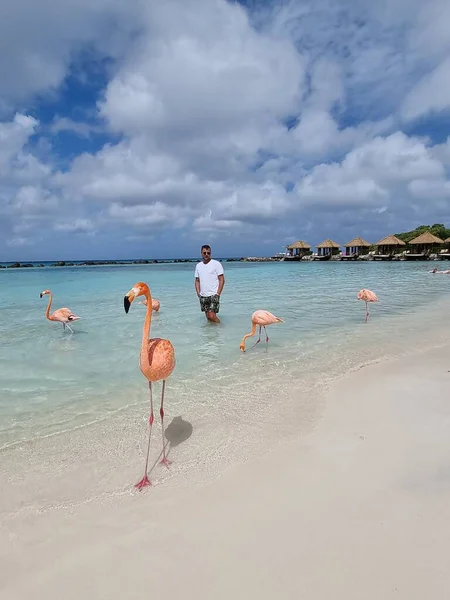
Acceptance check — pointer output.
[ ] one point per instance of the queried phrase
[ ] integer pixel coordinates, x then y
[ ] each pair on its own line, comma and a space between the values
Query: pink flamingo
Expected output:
157, 362
367, 296
63, 315
155, 304
260, 318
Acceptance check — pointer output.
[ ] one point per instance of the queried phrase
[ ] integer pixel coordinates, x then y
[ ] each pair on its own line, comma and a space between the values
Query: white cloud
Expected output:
78, 127
42, 41
216, 111
377, 174
75, 226
432, 93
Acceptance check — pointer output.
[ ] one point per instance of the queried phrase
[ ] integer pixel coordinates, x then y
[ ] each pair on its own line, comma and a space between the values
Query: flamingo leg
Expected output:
145, 480
165, 461
259, 339
367, 312
69, 327
267, 337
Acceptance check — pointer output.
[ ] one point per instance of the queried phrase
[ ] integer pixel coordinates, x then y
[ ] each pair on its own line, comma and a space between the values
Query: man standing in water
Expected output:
209, 282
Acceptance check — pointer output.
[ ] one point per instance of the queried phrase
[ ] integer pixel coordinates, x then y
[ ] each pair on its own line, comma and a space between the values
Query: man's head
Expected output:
206, 253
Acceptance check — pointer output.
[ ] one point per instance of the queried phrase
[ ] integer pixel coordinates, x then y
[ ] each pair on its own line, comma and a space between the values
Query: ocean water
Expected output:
53, 381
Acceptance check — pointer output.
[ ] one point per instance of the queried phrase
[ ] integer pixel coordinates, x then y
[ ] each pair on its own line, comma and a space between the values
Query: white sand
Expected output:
358, 509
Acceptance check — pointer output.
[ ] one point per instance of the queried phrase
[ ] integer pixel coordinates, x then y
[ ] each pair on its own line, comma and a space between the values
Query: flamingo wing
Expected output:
64, 315
367, 296
264, 317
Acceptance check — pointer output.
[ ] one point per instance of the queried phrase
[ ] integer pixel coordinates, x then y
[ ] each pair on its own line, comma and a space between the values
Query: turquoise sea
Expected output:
53, 381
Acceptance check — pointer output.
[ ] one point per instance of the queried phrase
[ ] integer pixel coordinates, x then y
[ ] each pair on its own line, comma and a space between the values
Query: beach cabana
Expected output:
445, 252
423, 245
297, 250
356, 247
388, 246
328, 248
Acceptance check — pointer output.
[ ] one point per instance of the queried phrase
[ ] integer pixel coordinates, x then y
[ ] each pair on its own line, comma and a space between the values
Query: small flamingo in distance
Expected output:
63, 315
261, 319
367, 296
157, 362
155, 304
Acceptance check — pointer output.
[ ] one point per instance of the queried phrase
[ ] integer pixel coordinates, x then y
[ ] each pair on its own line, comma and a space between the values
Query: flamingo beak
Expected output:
128, 300
40, 295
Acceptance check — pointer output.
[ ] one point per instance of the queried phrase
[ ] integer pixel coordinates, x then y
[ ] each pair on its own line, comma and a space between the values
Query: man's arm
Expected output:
197, 285
221, 284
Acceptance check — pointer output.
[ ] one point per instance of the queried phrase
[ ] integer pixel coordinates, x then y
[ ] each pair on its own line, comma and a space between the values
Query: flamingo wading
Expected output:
63, 315
155, 304
367, 296
157, 362
261, 319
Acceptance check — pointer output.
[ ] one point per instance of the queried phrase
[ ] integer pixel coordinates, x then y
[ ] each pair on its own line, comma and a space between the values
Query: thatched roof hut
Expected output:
447, 241
426, 239
389, 244
357, 242
301, 245
328, 247
391, 240
357, 246
298, 249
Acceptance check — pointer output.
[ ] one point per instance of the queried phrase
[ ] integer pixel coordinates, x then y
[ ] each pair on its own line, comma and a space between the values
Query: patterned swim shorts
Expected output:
210, 303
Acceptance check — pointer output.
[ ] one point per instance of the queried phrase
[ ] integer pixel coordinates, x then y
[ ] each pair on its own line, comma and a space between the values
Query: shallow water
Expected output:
53, 381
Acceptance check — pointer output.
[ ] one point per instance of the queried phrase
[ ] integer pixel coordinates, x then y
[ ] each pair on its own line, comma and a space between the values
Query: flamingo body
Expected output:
160, 360
157, 362
155, 304
261, 319
62, 315
367, 296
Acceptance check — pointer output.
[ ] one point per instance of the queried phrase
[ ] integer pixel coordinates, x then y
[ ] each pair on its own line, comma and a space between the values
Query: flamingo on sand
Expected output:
63, 315
367, 296
157, 362
261, 319
155, 304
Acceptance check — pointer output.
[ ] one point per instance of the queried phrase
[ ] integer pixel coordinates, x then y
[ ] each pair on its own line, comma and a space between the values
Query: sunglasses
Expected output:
206, 252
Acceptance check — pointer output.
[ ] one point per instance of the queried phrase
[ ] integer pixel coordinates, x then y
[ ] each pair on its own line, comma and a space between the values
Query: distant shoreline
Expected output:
164, 261
96, 263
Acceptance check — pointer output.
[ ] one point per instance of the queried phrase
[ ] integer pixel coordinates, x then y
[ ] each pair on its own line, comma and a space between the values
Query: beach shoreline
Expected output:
356, 504
97, 461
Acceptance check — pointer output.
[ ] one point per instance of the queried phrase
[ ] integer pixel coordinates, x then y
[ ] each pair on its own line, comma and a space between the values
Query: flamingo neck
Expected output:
252, 333
146, 329
47, 314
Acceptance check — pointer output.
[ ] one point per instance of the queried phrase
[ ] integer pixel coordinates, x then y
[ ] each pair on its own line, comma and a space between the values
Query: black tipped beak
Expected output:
40, 295
126, 304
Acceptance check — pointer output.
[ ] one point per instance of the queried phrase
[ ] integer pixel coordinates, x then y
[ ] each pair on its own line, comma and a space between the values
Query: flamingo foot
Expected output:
144, 482
165, 462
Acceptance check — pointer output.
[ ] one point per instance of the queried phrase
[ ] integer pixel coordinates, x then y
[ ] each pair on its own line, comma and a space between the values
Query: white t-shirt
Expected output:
209, 276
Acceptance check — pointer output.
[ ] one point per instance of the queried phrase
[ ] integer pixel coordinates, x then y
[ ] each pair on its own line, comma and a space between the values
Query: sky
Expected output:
144, 129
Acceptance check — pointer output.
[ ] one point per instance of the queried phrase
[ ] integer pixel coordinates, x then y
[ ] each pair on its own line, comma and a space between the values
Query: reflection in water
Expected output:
209, 341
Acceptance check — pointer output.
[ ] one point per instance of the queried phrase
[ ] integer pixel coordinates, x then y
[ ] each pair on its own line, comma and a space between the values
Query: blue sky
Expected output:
146, 129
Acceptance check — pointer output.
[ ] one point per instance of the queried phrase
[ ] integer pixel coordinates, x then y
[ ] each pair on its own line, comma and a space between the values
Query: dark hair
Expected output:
206, 247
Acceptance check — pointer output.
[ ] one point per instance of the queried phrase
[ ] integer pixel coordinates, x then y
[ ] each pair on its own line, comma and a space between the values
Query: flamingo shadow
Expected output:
177, 432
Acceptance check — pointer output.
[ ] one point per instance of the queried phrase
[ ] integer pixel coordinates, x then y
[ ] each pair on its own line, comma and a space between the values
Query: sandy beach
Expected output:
355, 509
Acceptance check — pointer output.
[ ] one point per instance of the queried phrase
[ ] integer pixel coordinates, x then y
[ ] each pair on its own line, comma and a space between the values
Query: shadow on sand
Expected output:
177, 432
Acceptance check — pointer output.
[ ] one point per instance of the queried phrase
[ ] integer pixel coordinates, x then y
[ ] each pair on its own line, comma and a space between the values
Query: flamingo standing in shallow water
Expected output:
155, 304
157, 362
63, 315
367, 296
260, 318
